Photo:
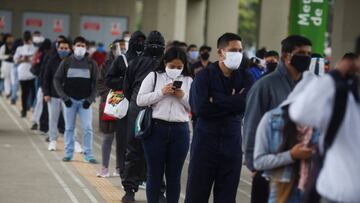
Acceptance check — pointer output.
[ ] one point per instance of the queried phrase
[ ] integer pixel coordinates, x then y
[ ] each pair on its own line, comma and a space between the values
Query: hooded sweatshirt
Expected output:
114, 79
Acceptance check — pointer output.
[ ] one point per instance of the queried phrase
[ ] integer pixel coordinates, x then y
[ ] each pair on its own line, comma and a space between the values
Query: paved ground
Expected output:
30, 173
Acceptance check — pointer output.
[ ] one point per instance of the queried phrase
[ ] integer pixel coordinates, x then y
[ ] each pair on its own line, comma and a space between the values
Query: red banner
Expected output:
34, 22
91, 26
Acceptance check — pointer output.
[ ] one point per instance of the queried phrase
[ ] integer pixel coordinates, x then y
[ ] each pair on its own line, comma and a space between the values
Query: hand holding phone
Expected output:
177, 84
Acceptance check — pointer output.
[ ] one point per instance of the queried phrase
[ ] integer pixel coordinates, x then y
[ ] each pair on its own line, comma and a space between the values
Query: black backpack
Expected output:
342, 87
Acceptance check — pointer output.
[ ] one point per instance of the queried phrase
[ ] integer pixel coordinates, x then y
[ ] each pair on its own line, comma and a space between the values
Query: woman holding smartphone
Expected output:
167, 146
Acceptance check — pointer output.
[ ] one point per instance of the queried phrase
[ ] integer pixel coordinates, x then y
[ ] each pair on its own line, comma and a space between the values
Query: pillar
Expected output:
274, 21
345, 27
222, 16
195, 22
166, 16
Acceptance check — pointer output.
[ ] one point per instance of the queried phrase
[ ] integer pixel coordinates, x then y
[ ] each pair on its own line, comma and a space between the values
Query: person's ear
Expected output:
221, 54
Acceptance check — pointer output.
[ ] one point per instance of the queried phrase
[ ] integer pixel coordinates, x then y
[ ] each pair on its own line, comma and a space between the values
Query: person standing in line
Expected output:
7, 62
51, 97
167, 146
192, 54
75, 83
139, 68
114, 80
268, 93
107, 125
217, 97
204, 61
23, 56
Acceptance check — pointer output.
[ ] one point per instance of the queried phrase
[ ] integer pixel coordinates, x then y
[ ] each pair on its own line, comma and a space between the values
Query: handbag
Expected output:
143, 122
116, 104
104, 116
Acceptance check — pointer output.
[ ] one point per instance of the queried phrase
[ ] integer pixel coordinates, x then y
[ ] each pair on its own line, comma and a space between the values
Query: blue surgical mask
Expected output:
63, 54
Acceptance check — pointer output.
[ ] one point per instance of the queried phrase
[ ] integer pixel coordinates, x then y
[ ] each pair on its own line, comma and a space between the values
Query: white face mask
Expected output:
79, 52
173, 73
127, 39
233, 60
92, 50
38, 39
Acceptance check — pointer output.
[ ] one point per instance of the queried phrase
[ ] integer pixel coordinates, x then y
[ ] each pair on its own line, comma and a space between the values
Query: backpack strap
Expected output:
339, 109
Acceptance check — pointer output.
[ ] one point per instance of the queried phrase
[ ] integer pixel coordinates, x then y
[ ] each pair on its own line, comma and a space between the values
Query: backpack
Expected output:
338, 113
36, 63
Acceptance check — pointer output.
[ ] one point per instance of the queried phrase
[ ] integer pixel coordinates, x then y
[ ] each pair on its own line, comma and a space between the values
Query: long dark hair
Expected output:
172, 54
290, 137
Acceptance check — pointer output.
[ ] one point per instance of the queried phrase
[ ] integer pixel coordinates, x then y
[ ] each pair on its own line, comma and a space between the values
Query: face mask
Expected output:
127, 39
139, 47
173, 73
38, 39
92, 50
301, 63
194, 54
271, 66
79, 52
63, 54
233, 60
155, 51
205, 56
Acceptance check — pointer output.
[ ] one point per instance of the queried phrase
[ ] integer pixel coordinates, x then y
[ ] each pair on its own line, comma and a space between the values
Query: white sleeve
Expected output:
17, 55
313, 106
185, 99
147, 96
2, 53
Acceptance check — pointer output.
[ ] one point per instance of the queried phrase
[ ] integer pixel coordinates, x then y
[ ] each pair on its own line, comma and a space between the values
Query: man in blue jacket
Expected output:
217, 97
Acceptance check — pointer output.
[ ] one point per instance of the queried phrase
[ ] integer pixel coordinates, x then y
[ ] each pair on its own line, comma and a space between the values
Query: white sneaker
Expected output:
52, 146
78, 148
143, 186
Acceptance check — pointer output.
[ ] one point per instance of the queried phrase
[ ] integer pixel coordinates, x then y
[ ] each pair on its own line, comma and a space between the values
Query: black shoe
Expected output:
34, 126
129, 197
13, 102
47, 139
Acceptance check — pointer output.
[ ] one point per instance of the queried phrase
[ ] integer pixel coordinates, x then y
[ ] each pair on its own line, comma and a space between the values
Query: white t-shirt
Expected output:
24, 67
339, 179
167, 108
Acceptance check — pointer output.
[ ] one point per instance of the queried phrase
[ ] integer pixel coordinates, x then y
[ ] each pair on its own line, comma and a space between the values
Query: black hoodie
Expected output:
115, 77
141, 66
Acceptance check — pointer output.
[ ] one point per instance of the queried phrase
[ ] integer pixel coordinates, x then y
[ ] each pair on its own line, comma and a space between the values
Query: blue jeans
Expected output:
296, 196
14, 83
54, 108
165, 151
86, 127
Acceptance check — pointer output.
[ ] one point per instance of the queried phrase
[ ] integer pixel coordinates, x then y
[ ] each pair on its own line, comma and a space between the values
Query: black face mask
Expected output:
301, 63
271, 66
139, 47
205, 56
155, 50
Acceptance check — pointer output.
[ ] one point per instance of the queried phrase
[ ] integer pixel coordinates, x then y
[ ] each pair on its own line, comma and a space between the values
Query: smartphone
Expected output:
177, 84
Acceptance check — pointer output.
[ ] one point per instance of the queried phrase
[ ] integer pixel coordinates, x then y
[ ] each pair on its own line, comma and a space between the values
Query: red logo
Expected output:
91, 26
58, 25
34, 22
115, 29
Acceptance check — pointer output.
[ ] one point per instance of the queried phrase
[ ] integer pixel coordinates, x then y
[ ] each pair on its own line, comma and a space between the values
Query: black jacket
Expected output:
115, 76
136, 72
48, 77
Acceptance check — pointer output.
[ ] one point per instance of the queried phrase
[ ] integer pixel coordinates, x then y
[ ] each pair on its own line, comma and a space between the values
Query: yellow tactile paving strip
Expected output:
106, 189
109, 192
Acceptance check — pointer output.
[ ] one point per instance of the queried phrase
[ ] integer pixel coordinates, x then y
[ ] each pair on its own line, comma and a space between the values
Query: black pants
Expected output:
27, 93
121, 144
135, 169
260, 189
216, 159
44, 118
